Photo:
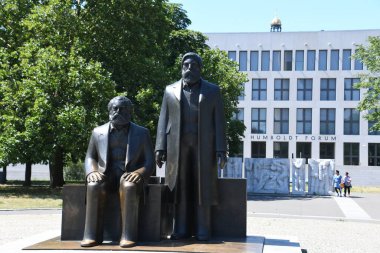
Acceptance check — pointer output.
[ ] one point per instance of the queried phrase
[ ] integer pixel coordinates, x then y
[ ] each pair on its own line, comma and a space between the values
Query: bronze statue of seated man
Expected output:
119, 158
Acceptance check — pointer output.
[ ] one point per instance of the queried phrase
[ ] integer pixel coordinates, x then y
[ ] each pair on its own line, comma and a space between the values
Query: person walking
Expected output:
336, 182
347, 185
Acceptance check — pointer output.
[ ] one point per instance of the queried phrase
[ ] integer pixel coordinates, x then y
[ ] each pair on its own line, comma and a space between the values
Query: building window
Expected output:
373, 154
322, 60
327, 121
259, 120
242, 94
351, 154
334, 59
299, 60
288, 60
239, 115
350, 92
258, 149
303, 150
346, 63
232, 55
281, 89
254, 66
280, 150
259, 89
327, 150
281, 121
276, 61
264, 60
310, 60
358, 64
304, 119
304, 89
328, 89
351, 121
243, 60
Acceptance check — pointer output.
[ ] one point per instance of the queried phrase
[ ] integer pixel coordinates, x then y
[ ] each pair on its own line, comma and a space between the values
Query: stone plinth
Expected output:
229, 218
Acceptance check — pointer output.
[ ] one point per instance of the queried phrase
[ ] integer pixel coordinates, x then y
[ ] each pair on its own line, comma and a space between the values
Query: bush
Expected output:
74, 172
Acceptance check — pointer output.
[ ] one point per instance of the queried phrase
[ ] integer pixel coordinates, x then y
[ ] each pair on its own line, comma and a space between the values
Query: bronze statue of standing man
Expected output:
191, 139
119, 159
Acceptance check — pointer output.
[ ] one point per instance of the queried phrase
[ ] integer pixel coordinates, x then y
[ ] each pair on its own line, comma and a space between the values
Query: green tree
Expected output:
13, 35
138, 42
12, 13
53, 108
219, 69
127, 38
370, 56
52, 96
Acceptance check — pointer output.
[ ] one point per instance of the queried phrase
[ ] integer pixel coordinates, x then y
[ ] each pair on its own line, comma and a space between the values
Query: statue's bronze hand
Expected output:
133, 177
160, 157
95, 176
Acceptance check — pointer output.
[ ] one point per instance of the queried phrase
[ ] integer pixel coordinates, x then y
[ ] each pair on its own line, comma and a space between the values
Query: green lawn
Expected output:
15, 196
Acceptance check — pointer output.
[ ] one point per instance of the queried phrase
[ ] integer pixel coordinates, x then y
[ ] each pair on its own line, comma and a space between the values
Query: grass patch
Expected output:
365, 189
15, 196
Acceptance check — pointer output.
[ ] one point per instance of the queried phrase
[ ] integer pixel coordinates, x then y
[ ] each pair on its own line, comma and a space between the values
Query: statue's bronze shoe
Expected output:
88, 243
127, 243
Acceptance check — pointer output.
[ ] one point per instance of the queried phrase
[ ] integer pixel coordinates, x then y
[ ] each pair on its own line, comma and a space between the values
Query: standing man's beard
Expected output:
119, 120
191, 77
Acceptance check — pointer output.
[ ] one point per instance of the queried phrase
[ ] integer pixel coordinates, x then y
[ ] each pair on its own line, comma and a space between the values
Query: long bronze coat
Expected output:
139, 153
211, 134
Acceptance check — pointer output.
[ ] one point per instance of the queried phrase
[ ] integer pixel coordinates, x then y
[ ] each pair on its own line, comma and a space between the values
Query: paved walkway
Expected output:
321, 224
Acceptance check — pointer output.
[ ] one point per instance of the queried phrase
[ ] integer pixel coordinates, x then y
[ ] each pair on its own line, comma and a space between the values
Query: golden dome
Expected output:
276, 21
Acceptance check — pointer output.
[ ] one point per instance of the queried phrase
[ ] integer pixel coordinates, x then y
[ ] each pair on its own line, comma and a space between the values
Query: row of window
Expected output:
326, 151
327, 120
328, 89
262, 60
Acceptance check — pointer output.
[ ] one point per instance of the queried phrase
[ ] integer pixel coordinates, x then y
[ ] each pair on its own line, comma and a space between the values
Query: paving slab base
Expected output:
252, 244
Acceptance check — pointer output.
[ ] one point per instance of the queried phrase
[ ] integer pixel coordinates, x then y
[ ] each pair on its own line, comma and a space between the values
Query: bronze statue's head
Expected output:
120, 111
191, 68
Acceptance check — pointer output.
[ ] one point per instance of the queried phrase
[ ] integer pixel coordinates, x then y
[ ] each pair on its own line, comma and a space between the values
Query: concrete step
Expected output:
281, 244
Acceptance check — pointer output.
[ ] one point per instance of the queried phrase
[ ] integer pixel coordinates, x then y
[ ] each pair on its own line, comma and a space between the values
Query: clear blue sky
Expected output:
295, 15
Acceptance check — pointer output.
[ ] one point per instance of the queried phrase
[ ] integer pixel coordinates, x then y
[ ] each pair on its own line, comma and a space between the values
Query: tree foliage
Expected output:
370, 56
62, 60
52, 96
219, 69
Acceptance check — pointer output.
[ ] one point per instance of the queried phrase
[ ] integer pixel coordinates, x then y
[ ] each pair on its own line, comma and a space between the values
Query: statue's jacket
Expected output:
211, 137
139, 153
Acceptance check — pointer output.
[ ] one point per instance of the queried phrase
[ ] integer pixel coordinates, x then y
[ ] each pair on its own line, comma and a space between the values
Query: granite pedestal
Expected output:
229, 218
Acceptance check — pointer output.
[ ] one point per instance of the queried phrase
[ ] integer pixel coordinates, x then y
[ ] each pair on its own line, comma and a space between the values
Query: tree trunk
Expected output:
56, 168
5, 173
28, 174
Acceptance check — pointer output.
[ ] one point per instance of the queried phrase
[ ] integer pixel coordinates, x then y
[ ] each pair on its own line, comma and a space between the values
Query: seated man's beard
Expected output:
119, 120
190, 77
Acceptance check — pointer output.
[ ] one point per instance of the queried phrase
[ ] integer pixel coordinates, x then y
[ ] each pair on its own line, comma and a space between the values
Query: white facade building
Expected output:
300, 100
